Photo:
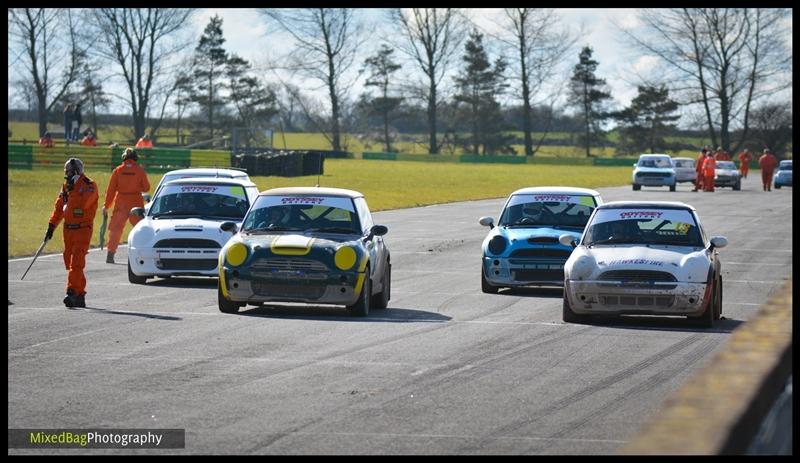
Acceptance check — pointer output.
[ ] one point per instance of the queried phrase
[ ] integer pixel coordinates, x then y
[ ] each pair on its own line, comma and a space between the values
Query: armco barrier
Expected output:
154, 160
492, 159
720, 409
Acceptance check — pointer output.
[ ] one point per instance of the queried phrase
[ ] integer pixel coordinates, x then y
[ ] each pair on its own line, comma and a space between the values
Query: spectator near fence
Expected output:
68, 121
76, 129
144, 142
46, 140
88, 139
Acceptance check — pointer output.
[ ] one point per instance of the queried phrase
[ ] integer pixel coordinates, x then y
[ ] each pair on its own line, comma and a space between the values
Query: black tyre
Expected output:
381, 300
134, 278
636, 187
361, 307
777, 187
485, 286
718, 311
706, 320
224, 304
672, 187
738, 186
568, 315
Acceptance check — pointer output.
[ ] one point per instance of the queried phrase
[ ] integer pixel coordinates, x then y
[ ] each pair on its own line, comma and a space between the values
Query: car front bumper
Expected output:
523, 272
340, 288
173, 262
783, 181
615, 298
726, 181
654, 181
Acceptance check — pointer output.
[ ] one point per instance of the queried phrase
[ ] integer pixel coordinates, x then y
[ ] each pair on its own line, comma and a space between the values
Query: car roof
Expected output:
683, 159
555, 190
207, 171
311, 190
646, 205
655, 155
211, 181
786, 161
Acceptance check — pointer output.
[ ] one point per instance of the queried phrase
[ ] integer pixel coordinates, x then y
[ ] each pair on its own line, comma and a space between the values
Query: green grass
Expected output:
386, 185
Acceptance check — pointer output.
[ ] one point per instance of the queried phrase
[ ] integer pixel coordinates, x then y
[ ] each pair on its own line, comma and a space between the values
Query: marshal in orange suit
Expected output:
128, 182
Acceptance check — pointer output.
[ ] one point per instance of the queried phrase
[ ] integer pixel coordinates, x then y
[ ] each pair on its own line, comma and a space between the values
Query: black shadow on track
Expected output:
184, 282
661, 323
334, 313
132, 314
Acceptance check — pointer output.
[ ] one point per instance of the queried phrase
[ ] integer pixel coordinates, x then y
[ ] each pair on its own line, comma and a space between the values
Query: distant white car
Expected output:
180, 233
194, 172
644, 258
684, 169
727, 174
654, 170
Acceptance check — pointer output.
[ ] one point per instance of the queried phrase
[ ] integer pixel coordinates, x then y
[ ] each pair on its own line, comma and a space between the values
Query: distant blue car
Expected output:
783, 177
522, 248
654, 170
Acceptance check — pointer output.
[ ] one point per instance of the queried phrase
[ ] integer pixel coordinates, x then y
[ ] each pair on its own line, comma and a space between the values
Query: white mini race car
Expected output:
644, 258
179, 234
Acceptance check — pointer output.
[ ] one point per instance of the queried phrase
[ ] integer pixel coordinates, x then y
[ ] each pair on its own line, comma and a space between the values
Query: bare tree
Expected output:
141, 41
772, 127
430, 37
536, 43
50, 56
730, 58
327, 41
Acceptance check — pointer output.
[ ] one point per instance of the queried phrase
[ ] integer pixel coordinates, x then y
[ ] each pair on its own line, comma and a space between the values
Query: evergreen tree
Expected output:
255, 104
479, 85
207, 65
588, 93
381, 67
644, 123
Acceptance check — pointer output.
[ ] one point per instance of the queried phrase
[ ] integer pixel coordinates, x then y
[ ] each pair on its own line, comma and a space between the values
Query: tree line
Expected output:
428, 70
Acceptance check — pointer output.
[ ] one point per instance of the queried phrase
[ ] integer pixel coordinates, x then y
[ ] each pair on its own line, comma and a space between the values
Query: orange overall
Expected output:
78, 214
767, 163
128, 182
144, 143
709, 169
744, 163
698, 167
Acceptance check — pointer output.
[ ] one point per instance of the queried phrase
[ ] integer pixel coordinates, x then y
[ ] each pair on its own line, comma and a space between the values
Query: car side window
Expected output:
363, 214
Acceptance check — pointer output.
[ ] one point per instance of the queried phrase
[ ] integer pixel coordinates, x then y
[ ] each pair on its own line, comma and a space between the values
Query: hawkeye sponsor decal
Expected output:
299, 200
683, 217
560, 198
654, 263
234, 191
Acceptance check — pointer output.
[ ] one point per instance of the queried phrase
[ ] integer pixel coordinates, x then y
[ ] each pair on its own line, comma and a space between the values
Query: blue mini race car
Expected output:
522, 249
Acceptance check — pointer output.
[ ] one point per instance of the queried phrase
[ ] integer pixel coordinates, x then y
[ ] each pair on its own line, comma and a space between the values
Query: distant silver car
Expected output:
727, 174
644, 258
684, 170
654, 170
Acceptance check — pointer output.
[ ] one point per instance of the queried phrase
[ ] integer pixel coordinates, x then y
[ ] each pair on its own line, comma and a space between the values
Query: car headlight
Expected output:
582, 267
236, 254
345, 258
497, 245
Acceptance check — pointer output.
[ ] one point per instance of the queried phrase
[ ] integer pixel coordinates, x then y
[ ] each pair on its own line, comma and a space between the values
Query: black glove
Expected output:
49, 234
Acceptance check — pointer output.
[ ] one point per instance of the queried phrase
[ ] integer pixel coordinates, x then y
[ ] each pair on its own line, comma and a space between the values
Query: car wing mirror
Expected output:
229, 227
138, 212
717, 242
567, 240
487, 222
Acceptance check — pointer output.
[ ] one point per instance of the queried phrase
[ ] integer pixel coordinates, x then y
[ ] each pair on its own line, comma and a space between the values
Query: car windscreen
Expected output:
199, 200
554, 210
785, 167
683, 163
675, 227
655, 162
328, 214
726, 165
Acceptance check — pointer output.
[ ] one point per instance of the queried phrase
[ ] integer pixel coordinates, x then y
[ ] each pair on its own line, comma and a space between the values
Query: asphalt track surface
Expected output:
446, 369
